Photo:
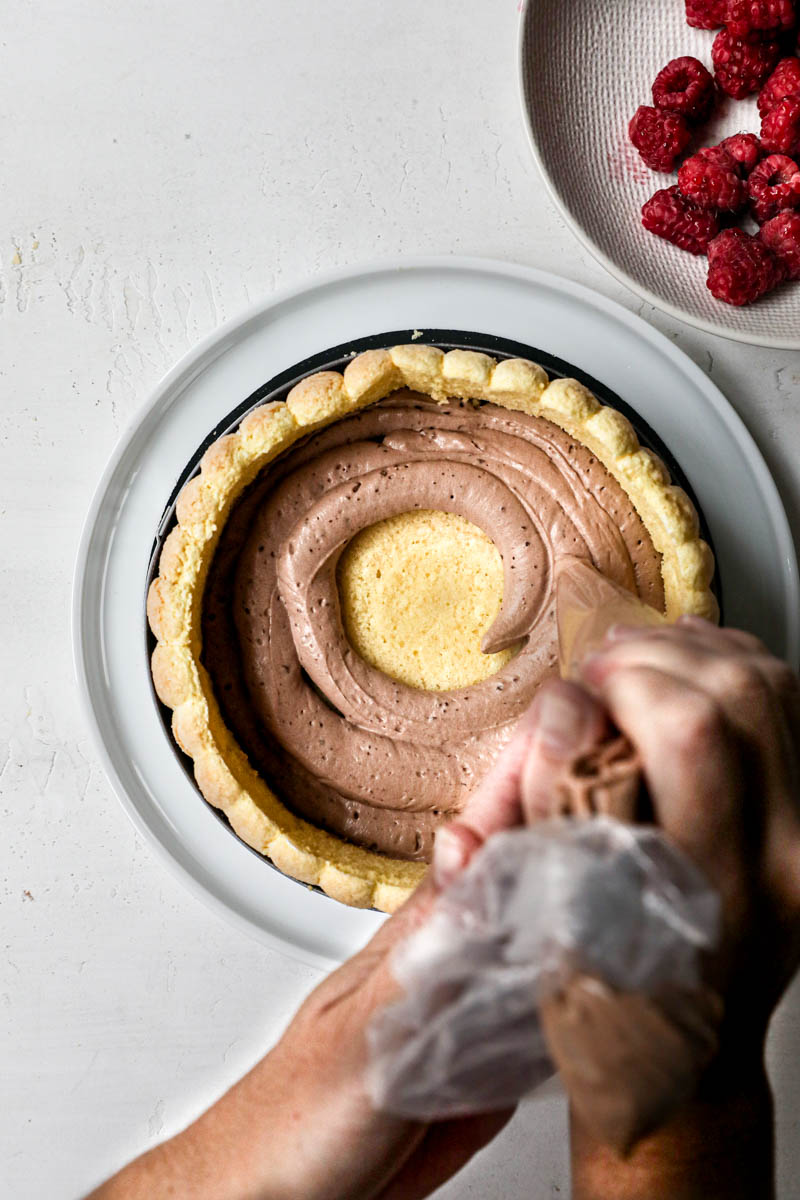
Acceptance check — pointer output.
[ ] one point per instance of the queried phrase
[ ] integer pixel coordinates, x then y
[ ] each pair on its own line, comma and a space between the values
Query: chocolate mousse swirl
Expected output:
343, 745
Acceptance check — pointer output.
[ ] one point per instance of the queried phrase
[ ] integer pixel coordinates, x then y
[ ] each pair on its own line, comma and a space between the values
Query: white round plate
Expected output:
584, 69
747, 523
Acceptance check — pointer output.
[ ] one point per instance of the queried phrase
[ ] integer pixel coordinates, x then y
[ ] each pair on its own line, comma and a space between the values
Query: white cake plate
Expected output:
755, 555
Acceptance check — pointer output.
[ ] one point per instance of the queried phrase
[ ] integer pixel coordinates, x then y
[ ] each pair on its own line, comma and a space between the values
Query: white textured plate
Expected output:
585, 67
748, 525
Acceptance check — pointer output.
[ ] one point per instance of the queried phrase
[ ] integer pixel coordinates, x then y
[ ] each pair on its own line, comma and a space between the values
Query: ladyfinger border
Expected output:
222, 772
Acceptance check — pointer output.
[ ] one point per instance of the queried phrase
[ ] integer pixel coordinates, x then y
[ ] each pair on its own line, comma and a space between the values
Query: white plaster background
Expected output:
161, 165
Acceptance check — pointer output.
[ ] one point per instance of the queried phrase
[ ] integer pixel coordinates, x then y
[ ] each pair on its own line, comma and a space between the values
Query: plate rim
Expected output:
211, 346
576, 229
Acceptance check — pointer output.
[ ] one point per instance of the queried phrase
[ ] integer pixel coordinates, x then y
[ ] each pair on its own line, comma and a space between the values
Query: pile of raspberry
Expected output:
756, 50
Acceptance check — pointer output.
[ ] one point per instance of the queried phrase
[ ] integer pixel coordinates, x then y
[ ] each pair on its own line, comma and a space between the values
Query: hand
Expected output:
300, 1124
345, 1147
716, 722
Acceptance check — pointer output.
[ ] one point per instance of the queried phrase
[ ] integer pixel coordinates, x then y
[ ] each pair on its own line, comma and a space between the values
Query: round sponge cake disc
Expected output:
418, 591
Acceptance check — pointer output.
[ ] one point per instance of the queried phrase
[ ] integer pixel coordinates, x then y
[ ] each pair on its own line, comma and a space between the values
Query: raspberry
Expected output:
784, 81
780, 129
773, 186
741, 67
669, 215
711, 179
744, 17
741, 268
745, 148
782, 235
659, 136
685, 86
705, 14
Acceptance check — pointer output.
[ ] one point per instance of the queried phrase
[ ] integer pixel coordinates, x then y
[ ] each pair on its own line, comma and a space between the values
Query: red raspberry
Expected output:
741, 268
711, 179
741, 67
780, 129
685, 86
668, 214
782, 235
784, 81
660, 137
745, 148
744, 17
773, 186
705, 14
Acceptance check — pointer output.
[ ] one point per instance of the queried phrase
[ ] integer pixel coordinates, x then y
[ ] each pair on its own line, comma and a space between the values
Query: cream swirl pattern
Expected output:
333, 770
373, 760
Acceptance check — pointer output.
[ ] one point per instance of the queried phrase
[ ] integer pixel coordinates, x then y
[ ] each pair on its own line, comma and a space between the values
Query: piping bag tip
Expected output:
587, 606
607, 778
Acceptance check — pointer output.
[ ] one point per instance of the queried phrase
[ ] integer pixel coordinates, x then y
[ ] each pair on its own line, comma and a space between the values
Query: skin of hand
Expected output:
301, 1125
717, 723
716, 720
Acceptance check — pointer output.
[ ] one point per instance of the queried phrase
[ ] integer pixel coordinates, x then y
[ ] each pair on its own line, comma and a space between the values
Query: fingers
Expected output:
731, 666
692, 762
716, 719
685, 652
494, 805
716, 635
720, 634
681, 732
759, 693
454, 846
569, 722
562, 722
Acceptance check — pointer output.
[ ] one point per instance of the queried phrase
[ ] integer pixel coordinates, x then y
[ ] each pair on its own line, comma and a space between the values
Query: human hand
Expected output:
355, 1150
716, 723
301, 1123
713, 718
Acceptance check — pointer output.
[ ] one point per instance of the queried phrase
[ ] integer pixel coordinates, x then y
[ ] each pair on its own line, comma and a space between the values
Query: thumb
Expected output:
568, 722
563, 721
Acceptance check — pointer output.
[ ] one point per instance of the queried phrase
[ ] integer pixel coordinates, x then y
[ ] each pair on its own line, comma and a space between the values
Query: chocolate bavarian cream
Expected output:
350, 749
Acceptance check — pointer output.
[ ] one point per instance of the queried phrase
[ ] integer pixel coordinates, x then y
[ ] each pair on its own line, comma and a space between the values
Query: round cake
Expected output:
357, 602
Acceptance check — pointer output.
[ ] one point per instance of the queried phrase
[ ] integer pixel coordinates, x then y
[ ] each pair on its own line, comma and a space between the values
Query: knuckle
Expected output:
738, 678
749, 641
695, 727
781, 678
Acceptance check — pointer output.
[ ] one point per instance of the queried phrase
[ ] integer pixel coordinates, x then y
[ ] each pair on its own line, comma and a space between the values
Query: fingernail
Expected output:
449, 857
563, 714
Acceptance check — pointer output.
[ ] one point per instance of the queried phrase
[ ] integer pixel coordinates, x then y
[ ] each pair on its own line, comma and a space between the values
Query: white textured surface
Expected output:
164, 164
579, 122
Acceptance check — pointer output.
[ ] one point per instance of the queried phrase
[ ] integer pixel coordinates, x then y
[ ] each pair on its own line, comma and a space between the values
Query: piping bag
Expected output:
577, 944
608, 780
